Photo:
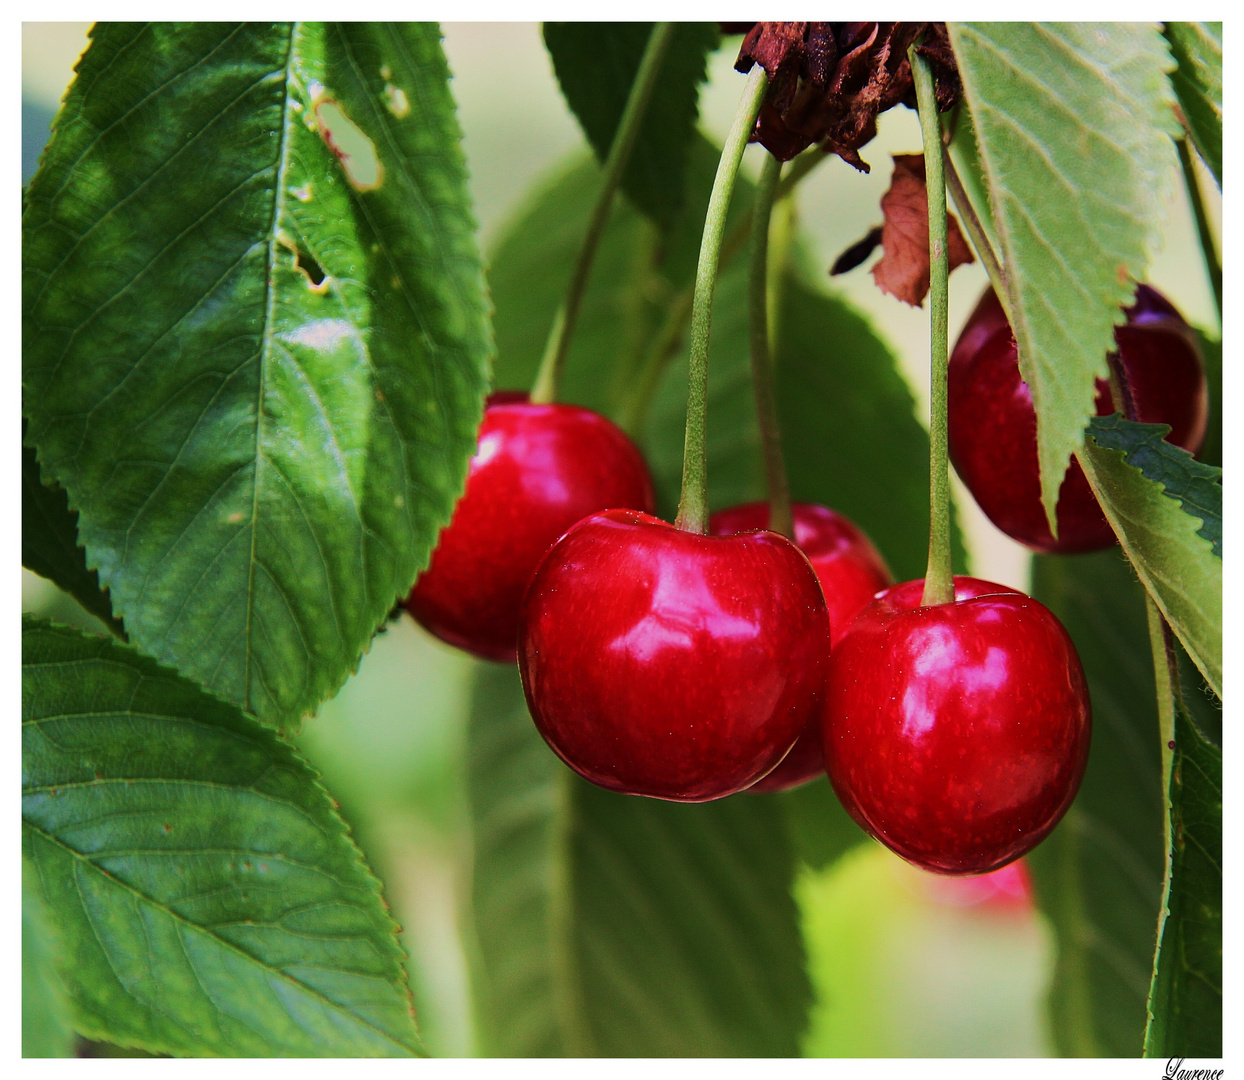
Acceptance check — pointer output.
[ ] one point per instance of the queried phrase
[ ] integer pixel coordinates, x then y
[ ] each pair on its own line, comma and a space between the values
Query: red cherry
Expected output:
956, 734
993, 426
538, 470
850, 571
665, 663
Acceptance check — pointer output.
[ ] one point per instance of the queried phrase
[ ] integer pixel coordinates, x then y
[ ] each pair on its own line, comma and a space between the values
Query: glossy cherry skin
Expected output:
664, 663
956, 734
538, 469
851, 572
993, 426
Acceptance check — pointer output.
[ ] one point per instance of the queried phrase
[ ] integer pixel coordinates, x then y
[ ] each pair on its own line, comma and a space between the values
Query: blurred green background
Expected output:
903, 963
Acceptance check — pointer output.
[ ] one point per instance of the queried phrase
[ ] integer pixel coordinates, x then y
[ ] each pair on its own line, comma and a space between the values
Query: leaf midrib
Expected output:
278, 209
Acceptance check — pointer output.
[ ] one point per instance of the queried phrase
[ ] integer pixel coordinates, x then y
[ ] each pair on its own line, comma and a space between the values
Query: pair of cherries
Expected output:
665, 663
699, 659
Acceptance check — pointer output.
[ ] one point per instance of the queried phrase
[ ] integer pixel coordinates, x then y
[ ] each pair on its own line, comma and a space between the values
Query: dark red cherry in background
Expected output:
851, 571
537, 470
956, 734
993, 427
664, 663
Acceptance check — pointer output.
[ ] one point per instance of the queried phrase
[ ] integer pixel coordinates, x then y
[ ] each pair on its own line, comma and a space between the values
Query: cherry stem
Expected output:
1208, 248
544, 389
939, 585
633, 410
693, 504
780, 517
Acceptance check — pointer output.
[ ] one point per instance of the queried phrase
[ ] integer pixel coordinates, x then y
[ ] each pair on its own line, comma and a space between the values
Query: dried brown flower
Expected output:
830, 80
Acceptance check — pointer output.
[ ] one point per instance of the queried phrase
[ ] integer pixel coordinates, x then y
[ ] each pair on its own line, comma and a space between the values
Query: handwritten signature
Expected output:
1176, 1071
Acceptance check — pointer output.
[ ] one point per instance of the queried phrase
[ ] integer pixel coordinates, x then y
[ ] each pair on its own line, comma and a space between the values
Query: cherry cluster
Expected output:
661, 662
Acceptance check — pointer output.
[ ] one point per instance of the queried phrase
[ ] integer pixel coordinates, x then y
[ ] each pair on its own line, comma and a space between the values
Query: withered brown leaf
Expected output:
903, 269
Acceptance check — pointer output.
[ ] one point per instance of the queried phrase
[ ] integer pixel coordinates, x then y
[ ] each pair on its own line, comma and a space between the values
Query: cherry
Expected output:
660, 662
956, 734
538, 470
850, 571
993, 426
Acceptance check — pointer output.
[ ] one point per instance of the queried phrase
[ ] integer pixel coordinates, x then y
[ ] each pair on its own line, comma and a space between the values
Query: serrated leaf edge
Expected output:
1197, 469
1084, 456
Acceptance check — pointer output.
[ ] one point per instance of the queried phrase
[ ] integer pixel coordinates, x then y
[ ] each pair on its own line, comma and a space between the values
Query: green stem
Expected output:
693, 504
1170, 698
632, 412
780, 518
1208, 248
545, 388
939, 585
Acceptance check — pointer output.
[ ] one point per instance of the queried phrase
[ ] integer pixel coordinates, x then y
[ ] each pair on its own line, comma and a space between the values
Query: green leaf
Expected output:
514, 788
1198, 84
618, 926
47, 1031
255, 362
208, 897
1098, 876
1185, 1002
1177, 565
596, 65
1072, 124
1197, 487
50, 541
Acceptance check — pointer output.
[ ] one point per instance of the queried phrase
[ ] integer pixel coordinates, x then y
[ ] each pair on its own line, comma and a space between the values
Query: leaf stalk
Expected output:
1213, 265
544, 389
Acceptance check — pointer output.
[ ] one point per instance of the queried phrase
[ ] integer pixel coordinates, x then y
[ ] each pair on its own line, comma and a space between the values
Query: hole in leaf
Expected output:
308, 265
355, 151
397, 101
